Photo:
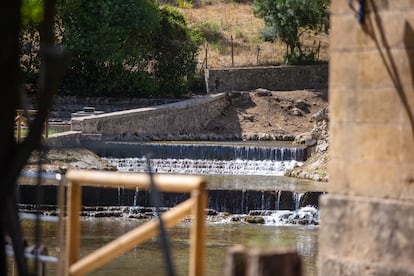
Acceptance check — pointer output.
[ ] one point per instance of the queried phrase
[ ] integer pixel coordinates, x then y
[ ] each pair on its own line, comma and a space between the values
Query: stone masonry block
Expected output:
384, 68
374, 234
344, 23
407, 181
406, 101
378, 106
338, 171
377, 142
390, 30
345, 72
339, 7
407, 144
341, 142
342, 105
376, 179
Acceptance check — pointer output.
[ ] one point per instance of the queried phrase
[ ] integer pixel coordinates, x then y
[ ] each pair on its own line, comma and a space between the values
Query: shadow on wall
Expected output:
375, 22
230, 125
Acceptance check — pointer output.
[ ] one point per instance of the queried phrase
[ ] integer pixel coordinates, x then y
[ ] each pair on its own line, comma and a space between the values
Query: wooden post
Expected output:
232, 51
260, 262
73, 224
19, 127
197, 239
206, 55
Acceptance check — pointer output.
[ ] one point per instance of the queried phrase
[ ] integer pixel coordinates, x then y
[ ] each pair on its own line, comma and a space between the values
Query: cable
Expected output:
156, 202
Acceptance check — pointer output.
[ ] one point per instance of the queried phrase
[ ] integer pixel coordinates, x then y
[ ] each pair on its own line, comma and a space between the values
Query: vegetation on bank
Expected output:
144, 49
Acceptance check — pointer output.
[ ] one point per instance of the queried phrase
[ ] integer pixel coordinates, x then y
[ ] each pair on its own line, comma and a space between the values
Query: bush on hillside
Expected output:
290, 19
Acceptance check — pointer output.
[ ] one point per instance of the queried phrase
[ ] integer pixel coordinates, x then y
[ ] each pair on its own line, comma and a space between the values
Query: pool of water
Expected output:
147, 259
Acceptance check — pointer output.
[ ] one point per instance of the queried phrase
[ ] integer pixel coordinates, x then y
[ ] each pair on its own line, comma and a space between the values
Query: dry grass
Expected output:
230, 19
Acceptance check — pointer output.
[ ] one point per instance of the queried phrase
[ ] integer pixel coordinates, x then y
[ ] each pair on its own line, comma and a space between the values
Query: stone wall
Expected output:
173, 119
272, 78
64, 106
367, 216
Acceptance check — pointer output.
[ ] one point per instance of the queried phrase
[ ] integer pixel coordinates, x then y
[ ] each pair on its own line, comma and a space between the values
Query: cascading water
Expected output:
198, 166
211, 158
242, 178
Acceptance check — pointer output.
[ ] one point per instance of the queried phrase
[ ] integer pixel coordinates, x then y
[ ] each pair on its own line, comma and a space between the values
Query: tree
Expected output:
291, 18
109, 43
127, 48
175, 50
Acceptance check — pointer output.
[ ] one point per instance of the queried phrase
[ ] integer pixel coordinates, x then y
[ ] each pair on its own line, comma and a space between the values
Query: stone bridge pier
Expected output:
367, 225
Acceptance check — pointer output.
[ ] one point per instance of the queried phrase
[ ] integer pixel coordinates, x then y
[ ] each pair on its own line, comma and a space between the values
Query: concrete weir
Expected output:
367, 216
170, 119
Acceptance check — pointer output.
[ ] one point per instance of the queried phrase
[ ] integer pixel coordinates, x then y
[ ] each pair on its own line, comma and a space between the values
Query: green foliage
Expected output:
210, 31
32, 11
32, 14
109, 43
291, 18
184, 4
127, 48
175, 50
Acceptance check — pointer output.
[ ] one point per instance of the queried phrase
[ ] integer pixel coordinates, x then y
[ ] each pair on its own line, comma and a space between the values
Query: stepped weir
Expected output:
252, 166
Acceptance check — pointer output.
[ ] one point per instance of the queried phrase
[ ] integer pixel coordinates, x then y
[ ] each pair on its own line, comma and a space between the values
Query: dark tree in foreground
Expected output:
13, 155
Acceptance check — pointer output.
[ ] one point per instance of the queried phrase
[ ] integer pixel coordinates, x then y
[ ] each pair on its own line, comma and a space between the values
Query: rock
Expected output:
296, 112
302, 105
255, 219
321, 115
306, 139
250, 118
323, 146
261, 92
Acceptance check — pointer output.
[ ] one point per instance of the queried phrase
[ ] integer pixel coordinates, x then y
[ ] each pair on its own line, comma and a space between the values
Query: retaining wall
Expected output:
272, 78
173, 119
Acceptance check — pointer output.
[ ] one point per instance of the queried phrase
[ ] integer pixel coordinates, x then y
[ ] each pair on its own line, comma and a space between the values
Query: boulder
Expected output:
261, 92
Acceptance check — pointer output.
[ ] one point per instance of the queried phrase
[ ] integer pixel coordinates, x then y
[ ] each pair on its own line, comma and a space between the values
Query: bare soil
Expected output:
275, 113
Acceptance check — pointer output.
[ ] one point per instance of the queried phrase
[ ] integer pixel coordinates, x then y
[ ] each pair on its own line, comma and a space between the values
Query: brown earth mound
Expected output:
270, 112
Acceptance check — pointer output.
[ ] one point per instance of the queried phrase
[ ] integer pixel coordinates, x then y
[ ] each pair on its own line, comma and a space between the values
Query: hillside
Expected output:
220, 21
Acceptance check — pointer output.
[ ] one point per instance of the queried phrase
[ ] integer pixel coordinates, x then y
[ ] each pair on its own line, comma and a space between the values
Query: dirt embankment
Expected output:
271, 112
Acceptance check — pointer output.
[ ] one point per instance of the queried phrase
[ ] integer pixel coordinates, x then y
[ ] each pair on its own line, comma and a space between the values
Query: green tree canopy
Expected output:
126, 48
291, 18
175, 49
108, 42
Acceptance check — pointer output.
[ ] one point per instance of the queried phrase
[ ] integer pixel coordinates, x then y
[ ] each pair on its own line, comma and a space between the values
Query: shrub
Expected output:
291, 18
108, 43
176, 47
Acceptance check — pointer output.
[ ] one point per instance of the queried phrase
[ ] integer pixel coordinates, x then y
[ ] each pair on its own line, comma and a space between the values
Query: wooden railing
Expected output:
22, 120
194, 206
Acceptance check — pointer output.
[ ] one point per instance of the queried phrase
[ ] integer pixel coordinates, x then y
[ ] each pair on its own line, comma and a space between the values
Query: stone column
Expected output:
367, 218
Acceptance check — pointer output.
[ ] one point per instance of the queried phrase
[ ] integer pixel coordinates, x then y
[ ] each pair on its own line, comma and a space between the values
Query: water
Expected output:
205, 150
147, 259
205, 166
243, 176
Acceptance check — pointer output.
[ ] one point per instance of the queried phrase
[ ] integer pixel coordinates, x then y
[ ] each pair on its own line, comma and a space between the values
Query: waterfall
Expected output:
136, 196
297, 197
194, 166
211, 151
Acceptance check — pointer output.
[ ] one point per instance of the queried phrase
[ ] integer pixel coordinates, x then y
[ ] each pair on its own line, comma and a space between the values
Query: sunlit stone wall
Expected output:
368, 217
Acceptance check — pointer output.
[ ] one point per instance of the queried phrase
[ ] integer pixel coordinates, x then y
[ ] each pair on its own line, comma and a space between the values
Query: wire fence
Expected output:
235, 54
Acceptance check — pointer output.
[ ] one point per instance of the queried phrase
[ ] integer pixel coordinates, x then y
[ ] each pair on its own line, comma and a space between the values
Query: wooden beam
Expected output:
131, 239
164, 183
